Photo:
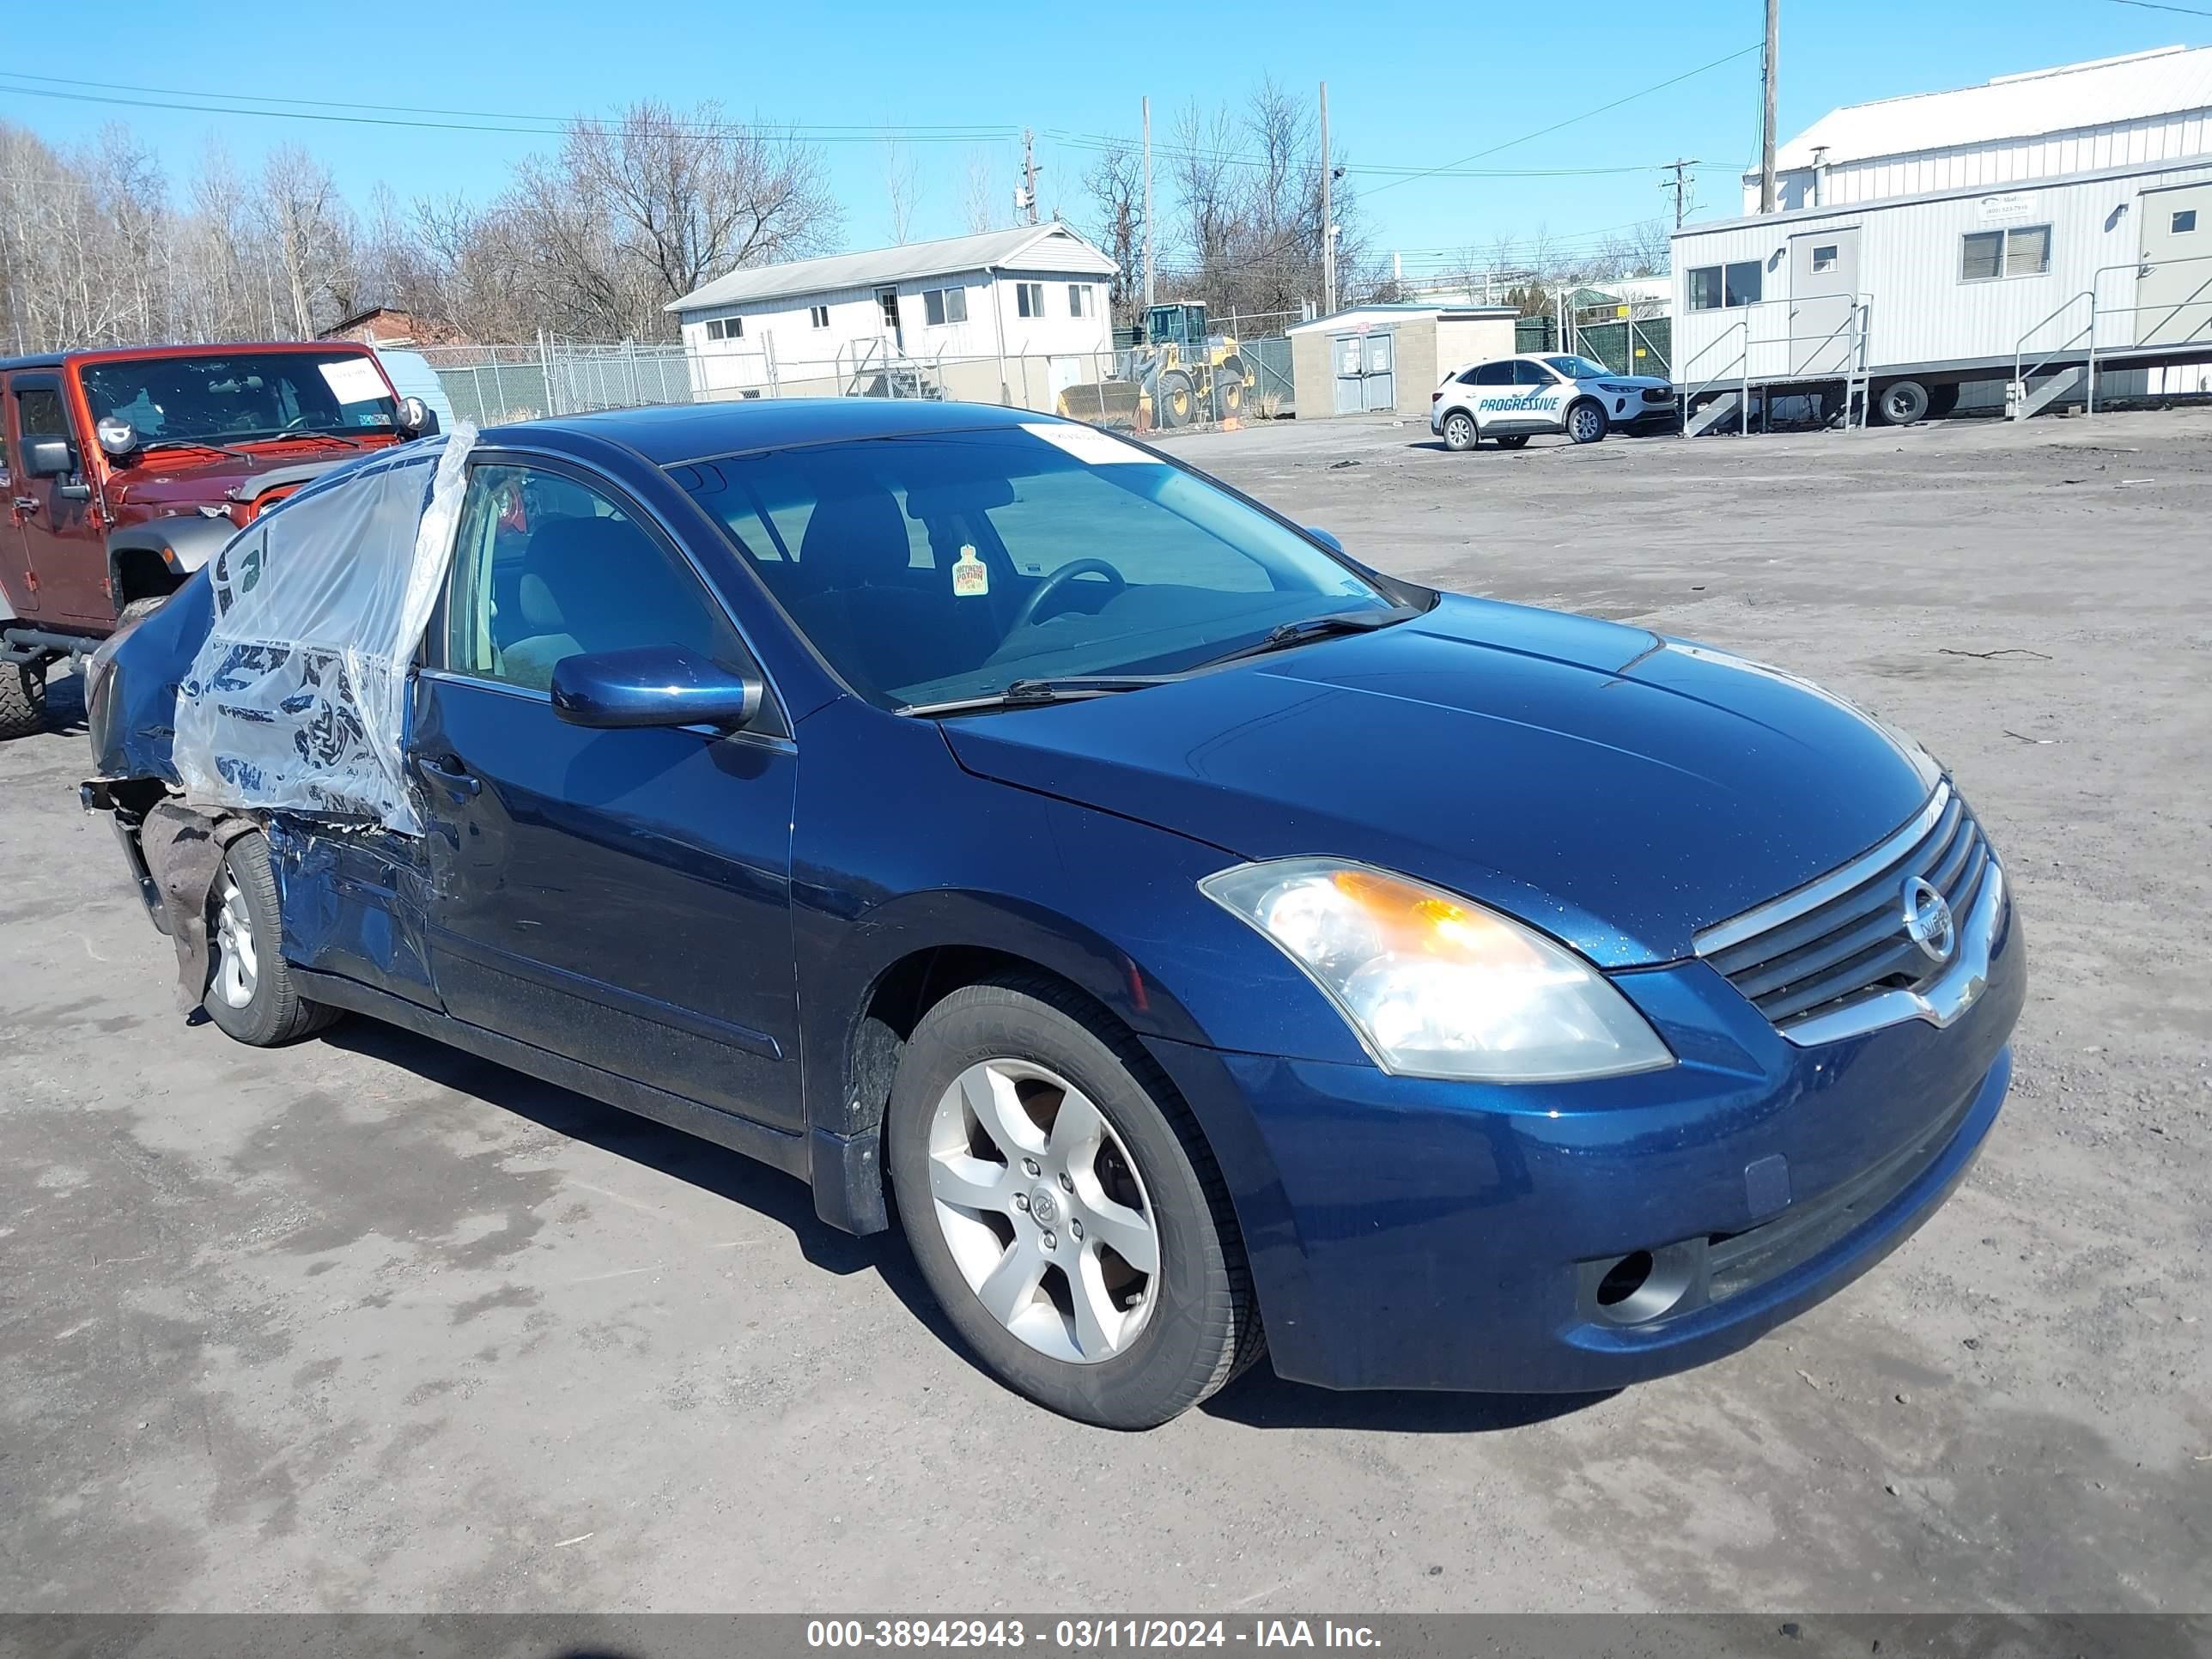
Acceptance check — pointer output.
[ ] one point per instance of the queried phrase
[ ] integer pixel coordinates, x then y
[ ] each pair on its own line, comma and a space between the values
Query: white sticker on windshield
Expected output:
1087, 444
354, 381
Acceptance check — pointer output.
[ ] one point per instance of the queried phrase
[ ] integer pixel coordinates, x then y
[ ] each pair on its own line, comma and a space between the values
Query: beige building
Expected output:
1388, 358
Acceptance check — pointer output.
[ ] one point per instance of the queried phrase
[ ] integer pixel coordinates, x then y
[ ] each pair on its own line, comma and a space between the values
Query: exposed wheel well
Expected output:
143, 573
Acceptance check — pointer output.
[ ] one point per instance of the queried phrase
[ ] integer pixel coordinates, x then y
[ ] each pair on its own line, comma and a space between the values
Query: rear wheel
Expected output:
1459, 431
22, 699
1229, 389
1941, 401
251, 993
1586, 423
1514, 440
1064, 1209
1901, 403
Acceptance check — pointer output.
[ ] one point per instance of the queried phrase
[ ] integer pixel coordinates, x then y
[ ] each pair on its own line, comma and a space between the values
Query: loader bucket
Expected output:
1103, 402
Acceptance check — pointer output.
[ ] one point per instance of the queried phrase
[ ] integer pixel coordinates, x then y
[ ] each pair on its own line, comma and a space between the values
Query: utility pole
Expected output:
1028, 177
1766, 106
1677, 186
1149, 301
1327, 217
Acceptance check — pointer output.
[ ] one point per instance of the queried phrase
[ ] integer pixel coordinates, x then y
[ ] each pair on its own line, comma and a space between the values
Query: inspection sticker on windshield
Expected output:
1087, 444
353, 381
970, 575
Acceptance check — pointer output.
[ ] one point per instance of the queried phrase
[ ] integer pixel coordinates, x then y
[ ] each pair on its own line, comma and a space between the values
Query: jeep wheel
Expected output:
22, 699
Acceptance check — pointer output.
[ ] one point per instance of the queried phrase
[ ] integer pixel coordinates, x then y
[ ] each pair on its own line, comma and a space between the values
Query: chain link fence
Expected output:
1136, 388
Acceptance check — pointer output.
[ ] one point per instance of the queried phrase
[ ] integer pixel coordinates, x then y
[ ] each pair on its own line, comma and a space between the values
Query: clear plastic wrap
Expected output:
298, 696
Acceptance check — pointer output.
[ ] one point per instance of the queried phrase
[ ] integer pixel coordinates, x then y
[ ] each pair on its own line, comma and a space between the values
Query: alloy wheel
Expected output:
1459, 431
1043, 1210
238, 965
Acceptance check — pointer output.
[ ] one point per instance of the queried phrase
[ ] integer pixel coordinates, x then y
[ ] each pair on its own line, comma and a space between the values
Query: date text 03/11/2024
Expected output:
1080, 1635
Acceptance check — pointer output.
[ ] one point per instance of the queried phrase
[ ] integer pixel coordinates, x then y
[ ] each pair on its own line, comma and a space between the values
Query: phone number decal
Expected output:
1066, 1635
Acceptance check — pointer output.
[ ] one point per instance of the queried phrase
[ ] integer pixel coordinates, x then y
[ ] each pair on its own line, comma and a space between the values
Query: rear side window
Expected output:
545, 568
1494, 374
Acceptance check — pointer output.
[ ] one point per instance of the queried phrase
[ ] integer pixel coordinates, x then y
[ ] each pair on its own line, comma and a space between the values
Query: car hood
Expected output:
181, 480
1639, 381
1616, 788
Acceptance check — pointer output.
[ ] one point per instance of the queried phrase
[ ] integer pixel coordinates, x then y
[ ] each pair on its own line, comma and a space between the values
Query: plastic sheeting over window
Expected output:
298, 696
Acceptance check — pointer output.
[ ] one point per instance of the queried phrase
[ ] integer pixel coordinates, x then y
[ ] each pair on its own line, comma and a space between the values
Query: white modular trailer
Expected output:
1952, 287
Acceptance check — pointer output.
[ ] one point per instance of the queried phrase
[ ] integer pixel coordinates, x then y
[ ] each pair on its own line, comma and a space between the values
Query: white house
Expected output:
1927, 245
1008, 316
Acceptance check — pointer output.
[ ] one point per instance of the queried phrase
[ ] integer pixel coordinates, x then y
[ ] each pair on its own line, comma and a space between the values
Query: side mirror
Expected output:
1325, 537
49, 457
653, 685
417, 418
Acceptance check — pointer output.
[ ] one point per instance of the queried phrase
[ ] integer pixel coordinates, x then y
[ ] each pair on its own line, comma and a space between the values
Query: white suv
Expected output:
1511, 400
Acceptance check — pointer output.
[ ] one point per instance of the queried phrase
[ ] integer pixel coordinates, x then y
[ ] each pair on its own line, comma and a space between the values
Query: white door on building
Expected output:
1824, 289
2173, 287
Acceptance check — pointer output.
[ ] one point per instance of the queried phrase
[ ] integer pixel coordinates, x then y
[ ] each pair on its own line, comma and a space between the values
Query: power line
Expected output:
465, 120
1107, 143
1555, 126
2153, 5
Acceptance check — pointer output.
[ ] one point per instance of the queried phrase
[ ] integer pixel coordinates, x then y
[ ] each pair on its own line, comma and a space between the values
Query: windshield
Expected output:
948, 565
1579, 368
224, 397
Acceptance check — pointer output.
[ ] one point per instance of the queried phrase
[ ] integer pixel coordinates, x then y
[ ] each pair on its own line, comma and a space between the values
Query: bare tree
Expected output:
1114, 185
901, 187
979, 193
309, 233
635, 212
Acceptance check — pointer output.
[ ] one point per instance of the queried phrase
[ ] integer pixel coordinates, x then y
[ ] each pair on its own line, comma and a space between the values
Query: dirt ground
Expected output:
367, 1324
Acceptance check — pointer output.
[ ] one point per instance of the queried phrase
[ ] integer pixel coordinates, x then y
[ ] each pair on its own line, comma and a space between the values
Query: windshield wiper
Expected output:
1307, 629
153, 444
1036, 693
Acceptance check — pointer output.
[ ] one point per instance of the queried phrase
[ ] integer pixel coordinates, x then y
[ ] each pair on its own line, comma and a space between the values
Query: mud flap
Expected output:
184, 852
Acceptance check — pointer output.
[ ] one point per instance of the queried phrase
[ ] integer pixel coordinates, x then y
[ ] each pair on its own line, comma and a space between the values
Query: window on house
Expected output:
2185, 220
818, 315
1824, 259
887, 299
1705, 288
1029, 299
945, 305
725, 328
1078, 299
2019, 251
1739, 282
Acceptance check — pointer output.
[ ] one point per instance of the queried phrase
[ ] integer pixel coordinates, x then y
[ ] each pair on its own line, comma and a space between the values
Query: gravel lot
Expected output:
366, 1323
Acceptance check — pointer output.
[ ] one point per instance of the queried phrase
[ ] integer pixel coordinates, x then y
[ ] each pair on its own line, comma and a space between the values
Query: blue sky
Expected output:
1437, 84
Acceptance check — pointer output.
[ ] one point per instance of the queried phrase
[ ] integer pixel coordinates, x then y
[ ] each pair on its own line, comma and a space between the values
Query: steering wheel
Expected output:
1050, 587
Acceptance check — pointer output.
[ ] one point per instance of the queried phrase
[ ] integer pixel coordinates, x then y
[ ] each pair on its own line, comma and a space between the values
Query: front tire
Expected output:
22, 699
1174, 402
251, 994
1459, 431
1064, 1209
1586, 424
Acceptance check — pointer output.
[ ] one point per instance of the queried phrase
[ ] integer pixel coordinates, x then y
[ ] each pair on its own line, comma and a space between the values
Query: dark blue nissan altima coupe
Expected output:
1203, 947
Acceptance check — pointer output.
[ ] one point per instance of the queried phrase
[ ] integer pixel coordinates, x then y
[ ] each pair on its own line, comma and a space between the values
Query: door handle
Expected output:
27, 503
455, 779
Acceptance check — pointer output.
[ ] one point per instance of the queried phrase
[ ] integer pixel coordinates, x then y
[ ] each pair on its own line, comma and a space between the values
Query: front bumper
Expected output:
1408, 1233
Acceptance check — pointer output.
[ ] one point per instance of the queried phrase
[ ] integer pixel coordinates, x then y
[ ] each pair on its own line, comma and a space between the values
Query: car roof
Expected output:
671, 433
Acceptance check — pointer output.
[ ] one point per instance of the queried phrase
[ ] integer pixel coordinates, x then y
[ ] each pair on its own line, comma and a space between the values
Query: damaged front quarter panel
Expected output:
353, 903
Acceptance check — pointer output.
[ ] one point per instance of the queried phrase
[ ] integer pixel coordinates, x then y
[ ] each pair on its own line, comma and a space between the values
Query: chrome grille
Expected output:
1842, 939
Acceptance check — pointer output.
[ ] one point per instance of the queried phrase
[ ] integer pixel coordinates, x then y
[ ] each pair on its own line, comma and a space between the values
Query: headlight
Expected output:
1437, 986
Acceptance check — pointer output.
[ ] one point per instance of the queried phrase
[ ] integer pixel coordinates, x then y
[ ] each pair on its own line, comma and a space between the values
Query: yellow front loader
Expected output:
1178, 374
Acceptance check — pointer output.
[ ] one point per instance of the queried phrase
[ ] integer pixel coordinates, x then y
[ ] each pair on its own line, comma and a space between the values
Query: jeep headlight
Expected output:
1435, 985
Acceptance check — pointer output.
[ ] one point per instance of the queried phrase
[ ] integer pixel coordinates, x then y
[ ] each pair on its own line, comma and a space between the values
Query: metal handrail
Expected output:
2139, 266
2020, 346
1741, 359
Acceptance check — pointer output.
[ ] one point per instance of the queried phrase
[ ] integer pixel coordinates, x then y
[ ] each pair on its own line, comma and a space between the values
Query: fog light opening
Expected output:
1624, 1278
1643, 1284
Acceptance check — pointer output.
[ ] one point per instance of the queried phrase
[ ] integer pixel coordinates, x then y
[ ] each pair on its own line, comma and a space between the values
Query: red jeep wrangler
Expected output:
125, 469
